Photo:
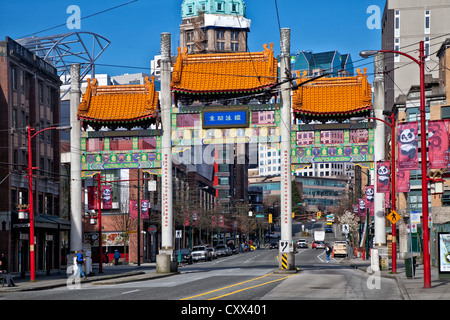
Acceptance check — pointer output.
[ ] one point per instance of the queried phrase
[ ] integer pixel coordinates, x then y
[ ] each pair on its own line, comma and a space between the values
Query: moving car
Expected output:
201, 253
273, 245
319, 245
301, 243
328, 229
340, 249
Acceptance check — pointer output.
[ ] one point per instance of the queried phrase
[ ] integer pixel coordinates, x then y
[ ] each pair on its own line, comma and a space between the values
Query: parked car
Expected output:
301, 243
222, 250
201, 253
319, 244
185, 255
273, 245
232, 248
213, 252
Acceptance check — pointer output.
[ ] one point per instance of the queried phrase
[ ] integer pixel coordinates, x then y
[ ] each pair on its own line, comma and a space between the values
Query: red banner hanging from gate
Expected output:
383, 173
92, 198
403, 181
107, 196
438, 143
133, 209
408, 142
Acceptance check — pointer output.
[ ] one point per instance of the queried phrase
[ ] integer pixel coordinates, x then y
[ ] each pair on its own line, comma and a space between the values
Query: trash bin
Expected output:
410, 270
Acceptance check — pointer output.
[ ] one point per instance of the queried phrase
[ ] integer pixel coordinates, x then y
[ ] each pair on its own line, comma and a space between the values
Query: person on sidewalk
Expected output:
80, 262
116, 257
328, 252
4, 271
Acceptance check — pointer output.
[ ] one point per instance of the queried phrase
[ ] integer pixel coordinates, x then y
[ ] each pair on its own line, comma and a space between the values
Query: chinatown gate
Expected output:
211, 111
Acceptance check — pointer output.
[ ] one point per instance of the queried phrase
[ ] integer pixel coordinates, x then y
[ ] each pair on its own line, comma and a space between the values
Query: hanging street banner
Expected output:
383, 174
403, 182
407, 143
438, 143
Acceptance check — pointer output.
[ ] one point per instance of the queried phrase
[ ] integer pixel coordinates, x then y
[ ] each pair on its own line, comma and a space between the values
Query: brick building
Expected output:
29, 96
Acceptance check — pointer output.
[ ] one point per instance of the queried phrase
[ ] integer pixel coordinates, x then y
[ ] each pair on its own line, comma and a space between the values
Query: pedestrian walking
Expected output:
80, 262
117, 256
328, 252
4, 271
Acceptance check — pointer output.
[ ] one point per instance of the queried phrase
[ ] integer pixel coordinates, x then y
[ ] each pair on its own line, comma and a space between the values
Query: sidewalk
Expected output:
411, 288
110, 275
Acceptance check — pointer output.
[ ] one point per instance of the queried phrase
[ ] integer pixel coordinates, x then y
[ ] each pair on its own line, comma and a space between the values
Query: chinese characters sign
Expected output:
237, 118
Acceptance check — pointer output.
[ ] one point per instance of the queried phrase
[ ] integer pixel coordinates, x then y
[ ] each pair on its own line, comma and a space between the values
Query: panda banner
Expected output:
107, 196
438, 143
383, 173
369, 192
408, 142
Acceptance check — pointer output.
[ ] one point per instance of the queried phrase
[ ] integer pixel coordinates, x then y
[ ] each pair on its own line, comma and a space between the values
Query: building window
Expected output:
427, 22
235, 47
397, 24
220, 34
220, 46
397, 48
220, 6
427, 47
234, 7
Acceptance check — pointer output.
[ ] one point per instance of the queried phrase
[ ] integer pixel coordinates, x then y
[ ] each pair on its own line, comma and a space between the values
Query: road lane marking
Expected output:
126, 292
244, 289
233, 285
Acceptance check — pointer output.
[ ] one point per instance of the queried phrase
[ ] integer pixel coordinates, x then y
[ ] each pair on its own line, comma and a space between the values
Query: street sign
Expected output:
413, 228
284, 246
178, 234
414, 217
393, 217
345, 228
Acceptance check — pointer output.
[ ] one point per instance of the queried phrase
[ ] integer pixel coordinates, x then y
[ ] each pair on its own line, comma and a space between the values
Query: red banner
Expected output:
403, 181
92, 198
383, 173
145, 204
387, 200
408, 142
438, 143
133, 209
369, 192
107, 196
362, 207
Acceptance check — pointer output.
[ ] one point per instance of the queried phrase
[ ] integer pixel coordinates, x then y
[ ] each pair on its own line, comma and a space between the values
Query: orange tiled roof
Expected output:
120, 103
227, 73
340, 97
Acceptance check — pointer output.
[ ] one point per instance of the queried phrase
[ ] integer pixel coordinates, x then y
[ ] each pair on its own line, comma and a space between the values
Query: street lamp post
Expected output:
423, 140
30, 194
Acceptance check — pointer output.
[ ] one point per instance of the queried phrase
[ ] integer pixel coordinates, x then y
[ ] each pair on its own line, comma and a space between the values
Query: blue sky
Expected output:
134, 30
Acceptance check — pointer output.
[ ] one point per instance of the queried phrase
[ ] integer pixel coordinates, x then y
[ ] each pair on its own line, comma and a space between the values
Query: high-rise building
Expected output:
29, 97
214, 26
404, 24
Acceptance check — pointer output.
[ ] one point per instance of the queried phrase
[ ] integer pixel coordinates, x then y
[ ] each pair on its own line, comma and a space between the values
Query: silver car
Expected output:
201, 253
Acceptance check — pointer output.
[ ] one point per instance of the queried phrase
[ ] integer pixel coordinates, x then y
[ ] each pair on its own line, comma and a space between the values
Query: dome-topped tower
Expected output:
210, 26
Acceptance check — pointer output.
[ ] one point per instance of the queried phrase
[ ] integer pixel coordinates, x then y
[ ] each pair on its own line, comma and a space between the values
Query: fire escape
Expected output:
199, 38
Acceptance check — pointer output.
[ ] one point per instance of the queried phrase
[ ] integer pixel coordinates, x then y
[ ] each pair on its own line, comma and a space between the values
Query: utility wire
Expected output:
86, 17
